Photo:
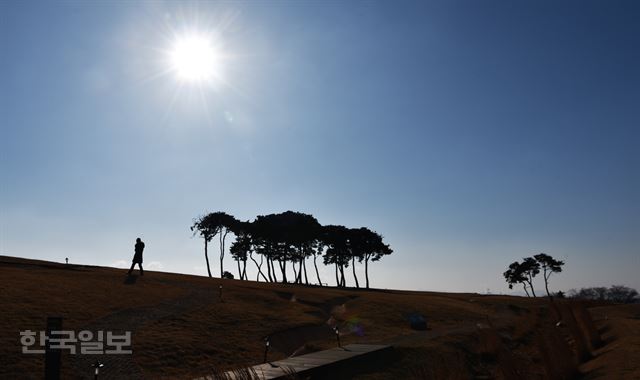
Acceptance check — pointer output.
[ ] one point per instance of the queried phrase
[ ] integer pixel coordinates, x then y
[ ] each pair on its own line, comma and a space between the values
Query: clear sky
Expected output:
469, 133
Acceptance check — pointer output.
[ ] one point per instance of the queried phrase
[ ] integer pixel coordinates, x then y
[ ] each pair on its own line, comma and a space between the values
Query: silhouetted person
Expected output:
137, 258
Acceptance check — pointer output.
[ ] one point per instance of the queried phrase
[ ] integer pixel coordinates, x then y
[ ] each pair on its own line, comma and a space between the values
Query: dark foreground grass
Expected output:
181, 328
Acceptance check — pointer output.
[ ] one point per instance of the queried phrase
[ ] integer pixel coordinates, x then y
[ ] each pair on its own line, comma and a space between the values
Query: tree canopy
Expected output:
524, 272
290, 238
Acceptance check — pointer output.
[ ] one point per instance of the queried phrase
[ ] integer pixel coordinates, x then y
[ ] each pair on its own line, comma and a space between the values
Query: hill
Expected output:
182, 328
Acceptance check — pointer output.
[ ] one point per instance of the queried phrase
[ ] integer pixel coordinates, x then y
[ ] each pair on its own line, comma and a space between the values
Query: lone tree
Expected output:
549, 266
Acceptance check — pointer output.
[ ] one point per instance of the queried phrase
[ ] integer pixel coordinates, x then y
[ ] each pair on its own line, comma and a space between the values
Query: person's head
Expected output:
138, 240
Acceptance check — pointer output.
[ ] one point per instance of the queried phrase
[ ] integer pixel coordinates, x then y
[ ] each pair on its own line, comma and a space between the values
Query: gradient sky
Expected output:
469, 134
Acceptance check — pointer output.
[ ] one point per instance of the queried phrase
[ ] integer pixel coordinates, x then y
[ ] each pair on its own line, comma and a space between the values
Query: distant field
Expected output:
181, 328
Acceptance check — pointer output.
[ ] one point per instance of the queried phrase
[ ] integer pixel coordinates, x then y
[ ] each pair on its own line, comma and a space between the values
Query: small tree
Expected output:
549, 266
530, 268
515, 275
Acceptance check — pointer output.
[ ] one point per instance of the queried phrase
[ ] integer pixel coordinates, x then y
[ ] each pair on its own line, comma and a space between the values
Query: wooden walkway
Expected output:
322, 364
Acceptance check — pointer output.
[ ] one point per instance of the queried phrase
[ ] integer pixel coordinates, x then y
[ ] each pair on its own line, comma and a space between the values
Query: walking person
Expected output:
137, 258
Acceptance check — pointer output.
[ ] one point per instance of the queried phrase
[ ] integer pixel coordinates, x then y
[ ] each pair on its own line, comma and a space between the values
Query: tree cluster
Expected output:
615, 293
525, 271
274, 241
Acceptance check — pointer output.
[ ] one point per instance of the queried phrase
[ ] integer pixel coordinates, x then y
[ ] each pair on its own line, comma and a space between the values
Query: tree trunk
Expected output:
259, 267
283, 269
222, 239
533, 291
273, 271
525, 289
546, 283
239, 271
366, 270
269, 270
206, 257
296, 274
299, 279
244, 270
337, 280
301, 265
353, 267
260, 270
343, 282
304, 265
317, 273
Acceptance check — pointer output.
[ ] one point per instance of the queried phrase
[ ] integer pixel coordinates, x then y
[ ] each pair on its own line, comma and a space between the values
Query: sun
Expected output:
195, 58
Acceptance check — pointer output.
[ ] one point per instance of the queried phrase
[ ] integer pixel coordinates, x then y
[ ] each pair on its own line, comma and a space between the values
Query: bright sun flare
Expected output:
194, 59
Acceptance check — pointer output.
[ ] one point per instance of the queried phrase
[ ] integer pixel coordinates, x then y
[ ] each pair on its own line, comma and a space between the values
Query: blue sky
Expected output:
470, 134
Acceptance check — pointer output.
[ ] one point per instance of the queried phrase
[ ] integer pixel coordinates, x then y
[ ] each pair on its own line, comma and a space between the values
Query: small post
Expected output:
267, 343
337, 335
66, 260
220, 293
97, 365
52, 356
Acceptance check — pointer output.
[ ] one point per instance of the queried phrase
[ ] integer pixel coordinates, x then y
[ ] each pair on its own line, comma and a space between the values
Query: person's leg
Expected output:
131, 269
141, 270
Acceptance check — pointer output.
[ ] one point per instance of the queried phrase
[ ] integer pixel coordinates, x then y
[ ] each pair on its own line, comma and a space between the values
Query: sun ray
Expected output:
193, 59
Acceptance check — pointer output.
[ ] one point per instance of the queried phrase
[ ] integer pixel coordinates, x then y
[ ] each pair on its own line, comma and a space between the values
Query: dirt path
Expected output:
122, 366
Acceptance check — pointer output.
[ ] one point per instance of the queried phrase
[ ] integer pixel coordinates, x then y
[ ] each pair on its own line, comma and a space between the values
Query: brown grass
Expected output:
441, 366
580, 345
585, 322
558, 359
197, 334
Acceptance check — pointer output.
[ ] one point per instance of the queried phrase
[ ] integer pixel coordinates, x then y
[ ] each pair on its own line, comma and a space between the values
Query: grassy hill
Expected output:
182, 329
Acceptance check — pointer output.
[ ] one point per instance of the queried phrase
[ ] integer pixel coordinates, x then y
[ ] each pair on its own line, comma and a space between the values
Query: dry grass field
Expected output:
182, 329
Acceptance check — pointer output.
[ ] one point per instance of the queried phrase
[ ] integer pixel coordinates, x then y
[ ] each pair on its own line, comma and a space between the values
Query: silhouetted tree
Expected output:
317, 250
368, 246
616, 293
336, 238
300, 234
240, 250
258, 266
530, 268
225, 223
549, 266
270, 240
207, 228
515, 275
291, 237
622, 294
601, 292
